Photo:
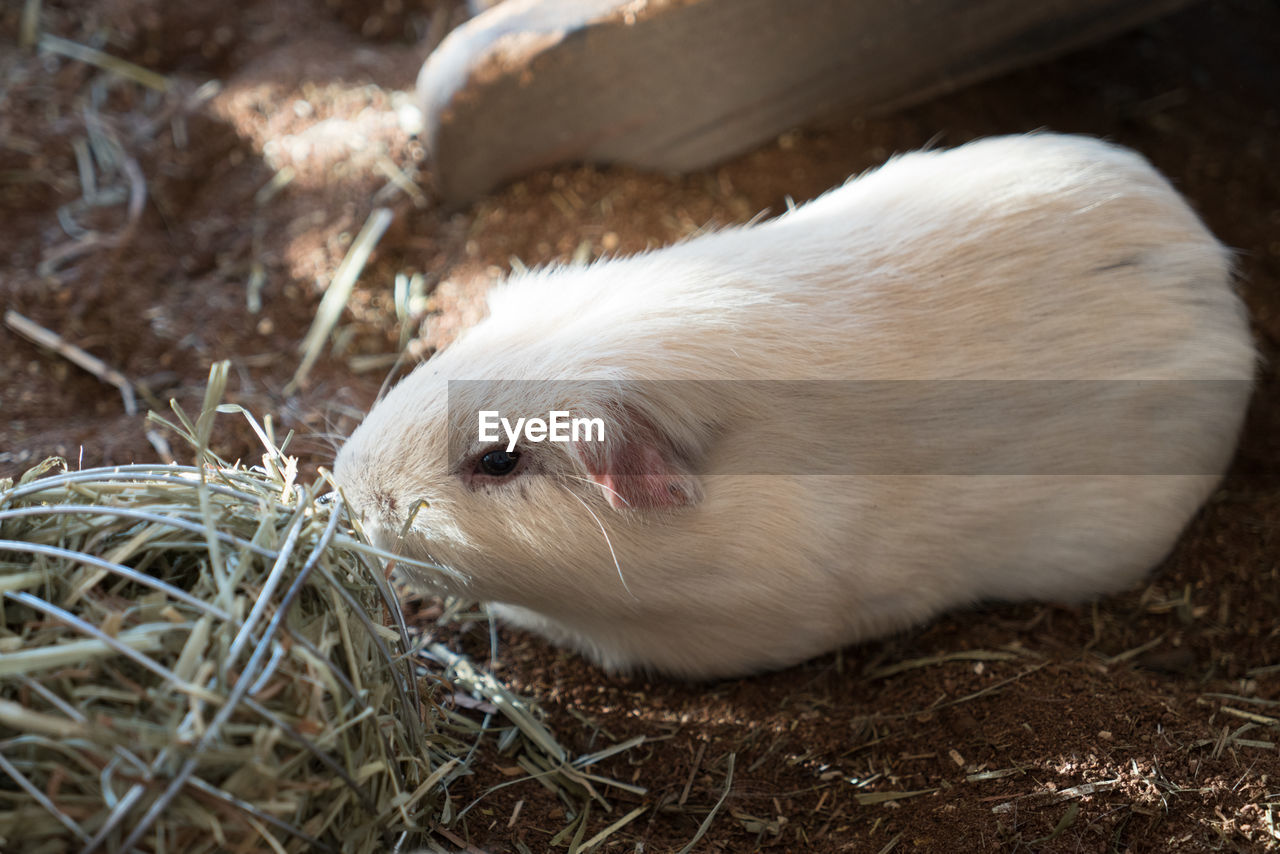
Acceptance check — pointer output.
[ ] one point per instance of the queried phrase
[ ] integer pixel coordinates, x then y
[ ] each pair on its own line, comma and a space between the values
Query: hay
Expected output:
189, 665
188, 662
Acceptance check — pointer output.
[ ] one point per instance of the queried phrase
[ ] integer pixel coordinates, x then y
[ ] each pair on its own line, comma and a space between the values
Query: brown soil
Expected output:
1162, 703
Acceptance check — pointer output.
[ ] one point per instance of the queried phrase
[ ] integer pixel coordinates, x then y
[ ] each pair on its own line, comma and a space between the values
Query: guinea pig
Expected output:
1010, 370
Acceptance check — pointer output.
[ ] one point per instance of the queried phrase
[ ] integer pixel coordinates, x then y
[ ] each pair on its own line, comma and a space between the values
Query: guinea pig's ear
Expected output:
636, 467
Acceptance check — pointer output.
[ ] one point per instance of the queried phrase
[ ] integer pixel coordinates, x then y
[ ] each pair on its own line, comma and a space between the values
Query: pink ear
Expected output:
634, 472
638, 478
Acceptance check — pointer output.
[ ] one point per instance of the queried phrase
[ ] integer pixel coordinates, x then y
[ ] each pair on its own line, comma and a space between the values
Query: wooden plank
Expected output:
679, 85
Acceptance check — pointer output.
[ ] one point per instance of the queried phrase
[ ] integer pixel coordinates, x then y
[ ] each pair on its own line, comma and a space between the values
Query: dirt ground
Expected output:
1147, 722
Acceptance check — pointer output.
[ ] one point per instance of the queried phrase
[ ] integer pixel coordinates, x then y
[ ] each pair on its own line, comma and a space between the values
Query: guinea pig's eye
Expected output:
498, 463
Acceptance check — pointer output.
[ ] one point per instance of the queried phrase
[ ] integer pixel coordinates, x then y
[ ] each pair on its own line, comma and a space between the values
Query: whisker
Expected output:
331, 441
601, 485
396, 368
330, 435
607, 541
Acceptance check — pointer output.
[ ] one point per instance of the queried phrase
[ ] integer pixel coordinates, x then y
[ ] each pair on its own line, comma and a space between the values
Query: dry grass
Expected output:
191, 664
198, 658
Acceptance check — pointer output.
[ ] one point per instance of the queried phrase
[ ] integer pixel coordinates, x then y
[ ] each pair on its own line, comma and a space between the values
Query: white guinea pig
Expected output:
669, 545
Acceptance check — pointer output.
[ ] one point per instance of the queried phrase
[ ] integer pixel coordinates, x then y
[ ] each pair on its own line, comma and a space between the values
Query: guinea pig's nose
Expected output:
381, 506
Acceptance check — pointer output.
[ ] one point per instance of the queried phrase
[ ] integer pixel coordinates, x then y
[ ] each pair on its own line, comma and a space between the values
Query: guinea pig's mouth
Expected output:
415, 560
430, 579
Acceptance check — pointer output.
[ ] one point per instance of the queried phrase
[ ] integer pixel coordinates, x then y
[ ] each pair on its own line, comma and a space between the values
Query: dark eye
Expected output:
499, 463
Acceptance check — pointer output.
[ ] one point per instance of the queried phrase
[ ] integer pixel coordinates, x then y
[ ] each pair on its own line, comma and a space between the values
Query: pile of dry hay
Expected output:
188, 662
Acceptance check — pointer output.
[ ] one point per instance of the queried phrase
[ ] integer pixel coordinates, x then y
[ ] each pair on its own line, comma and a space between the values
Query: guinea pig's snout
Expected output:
378, 519
381, 510
376, 510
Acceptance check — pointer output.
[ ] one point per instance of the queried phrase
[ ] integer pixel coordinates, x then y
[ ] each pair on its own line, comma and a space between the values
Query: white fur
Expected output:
1034, 257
